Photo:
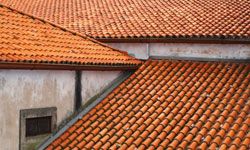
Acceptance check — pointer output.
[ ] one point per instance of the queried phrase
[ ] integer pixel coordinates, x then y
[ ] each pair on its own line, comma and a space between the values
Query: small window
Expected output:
38, 126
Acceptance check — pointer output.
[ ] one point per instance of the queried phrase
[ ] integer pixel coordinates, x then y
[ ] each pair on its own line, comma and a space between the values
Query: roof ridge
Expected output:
62, 28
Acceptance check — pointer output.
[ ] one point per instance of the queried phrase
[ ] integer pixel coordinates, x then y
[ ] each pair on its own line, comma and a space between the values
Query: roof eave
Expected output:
44, 66
201, 39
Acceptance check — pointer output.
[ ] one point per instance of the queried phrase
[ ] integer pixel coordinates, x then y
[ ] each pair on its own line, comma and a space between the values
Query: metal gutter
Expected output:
87, 107
199, 59
48, 66
180, 39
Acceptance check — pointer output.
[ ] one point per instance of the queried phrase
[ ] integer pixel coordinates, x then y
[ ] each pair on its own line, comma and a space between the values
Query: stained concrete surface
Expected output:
186, 50
23, 89
94, 82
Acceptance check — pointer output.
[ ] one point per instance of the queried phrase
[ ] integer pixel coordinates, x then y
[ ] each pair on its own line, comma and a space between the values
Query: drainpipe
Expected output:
148, 51
78, 91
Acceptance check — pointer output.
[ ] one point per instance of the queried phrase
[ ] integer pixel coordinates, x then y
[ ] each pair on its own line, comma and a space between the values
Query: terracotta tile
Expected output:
168, 120
65, 143
246, 141
72, 144
58, 148
64, 135
213, 146
80, 137
72, 136
56, 142
156, 142
174, 144
193, 145
121, 140
89, 145
227, 140
133, 146
243, 148
183, 145
171, 136
50, 147
224, 147
165, 143
52, 44
78, 123
203, 146
98, 145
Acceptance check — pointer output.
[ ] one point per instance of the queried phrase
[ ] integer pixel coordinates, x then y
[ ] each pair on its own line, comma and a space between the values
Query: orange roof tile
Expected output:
221, 19
170, 104
25, 39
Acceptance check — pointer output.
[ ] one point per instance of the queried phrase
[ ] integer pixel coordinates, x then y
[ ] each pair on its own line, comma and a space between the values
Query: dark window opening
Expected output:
38, 126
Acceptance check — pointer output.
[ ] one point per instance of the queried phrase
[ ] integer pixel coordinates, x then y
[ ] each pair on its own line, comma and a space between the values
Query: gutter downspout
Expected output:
78, 91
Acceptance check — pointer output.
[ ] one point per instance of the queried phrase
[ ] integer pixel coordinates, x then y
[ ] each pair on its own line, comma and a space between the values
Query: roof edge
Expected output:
201, 59
87, 107
169, 39
47, 66
62, 28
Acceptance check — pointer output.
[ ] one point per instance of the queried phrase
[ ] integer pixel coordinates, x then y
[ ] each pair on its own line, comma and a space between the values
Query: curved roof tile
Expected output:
167, 105
26, 39
221, 19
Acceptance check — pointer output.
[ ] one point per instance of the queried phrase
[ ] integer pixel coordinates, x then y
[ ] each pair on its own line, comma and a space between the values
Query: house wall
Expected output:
24, 89
187, 50
93, 82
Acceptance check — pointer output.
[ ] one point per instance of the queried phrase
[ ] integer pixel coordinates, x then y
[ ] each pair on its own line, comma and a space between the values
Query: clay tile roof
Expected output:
26, 39
223, 19
170, 104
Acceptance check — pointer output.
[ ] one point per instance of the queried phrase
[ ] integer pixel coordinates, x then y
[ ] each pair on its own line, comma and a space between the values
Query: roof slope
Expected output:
170, 104
25, 39
223, 19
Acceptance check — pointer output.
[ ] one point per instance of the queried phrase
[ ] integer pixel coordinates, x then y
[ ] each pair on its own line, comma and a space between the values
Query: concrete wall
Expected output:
93, 82
139, 50
24, 89
187, 50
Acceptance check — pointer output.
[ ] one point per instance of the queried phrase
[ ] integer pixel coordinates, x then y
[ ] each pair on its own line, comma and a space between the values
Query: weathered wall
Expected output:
187, 50
23, 89
139, 50
93, 82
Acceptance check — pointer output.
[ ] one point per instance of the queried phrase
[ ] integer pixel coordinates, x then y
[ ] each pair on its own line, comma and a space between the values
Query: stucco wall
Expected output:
23, 89
138, 50
93, 82
187, 50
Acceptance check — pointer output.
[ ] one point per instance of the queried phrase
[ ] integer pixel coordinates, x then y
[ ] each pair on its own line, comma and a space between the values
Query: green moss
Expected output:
33, 143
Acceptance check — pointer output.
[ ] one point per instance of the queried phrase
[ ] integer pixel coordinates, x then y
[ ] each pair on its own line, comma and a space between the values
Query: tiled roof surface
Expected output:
30, 40
145, 18
170, 104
